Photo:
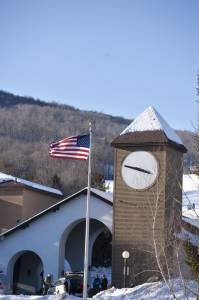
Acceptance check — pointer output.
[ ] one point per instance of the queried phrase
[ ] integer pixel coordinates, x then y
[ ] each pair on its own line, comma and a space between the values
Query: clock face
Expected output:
139, 170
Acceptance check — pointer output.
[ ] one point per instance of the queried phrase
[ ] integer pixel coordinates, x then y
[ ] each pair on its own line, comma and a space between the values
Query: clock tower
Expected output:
147, 198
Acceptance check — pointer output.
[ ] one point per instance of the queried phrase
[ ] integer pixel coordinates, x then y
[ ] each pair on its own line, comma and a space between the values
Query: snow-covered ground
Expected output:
147, 291
190, 206
150, 291
22, 297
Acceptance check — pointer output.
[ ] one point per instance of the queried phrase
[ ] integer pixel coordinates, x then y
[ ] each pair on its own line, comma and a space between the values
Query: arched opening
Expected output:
99, 245
27, 274
102, 249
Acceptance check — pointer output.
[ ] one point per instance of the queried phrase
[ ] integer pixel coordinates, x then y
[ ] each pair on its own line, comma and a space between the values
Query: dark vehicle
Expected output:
75, 283
71, 283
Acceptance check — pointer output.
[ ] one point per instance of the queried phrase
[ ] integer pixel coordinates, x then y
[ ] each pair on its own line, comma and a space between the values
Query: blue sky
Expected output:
116, 57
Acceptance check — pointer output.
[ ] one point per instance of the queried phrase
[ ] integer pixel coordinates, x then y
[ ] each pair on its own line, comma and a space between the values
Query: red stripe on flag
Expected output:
64, 157
74, 147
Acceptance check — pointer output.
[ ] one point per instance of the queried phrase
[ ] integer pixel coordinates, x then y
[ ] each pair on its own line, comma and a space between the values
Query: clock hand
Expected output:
138, 169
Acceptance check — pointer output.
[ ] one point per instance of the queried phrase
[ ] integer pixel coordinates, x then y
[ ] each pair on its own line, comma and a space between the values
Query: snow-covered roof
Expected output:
109, 185
190, 192
5, 177
188, 236
151, 120
191, 219
190, 199
102, 194
190, 182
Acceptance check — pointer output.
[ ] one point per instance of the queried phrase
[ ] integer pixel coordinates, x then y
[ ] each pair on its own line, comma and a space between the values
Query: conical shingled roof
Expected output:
149, 128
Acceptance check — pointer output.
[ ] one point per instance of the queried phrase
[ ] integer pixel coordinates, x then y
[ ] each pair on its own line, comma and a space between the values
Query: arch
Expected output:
102, 249
62, 243
25, 270
92, 240
72, 243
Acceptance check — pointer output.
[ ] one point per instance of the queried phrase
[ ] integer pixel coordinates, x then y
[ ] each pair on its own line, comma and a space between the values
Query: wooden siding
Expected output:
10, 213
133, 212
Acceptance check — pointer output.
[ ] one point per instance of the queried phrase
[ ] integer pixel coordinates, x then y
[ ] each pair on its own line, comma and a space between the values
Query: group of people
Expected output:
100, 284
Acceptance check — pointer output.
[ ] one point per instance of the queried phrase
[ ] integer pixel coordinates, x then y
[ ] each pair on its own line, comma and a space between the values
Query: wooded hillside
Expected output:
28, 126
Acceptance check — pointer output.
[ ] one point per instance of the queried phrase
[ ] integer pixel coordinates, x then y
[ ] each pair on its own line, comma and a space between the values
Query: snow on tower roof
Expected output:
151, 120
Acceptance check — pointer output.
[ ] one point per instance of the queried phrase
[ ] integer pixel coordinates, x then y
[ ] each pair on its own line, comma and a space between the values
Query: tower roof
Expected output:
149, 127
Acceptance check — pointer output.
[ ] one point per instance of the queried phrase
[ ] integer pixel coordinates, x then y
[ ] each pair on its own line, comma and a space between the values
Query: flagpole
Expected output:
87, 220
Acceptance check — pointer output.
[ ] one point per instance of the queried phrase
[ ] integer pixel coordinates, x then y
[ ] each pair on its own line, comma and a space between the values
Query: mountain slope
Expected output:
28, 126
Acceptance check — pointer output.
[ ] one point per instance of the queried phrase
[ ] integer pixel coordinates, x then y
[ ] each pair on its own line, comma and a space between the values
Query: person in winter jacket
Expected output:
47, 283
104, 282
96, 284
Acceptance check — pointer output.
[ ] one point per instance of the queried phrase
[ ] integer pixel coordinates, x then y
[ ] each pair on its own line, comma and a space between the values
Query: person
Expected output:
47, 283
104, 282
96, 284
66, 285
42, 282
73, 286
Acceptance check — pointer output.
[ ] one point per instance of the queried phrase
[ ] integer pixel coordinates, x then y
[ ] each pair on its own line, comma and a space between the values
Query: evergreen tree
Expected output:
192, 258
56, 182
97, 181
196, 168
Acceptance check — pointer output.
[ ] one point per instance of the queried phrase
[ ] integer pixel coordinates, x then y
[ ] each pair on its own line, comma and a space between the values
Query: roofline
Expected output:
28, 187
187, 224
5, 181
161, 139
52, 208
170, 143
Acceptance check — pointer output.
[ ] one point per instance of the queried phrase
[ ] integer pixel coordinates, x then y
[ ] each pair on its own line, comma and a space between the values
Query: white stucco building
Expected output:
47, 240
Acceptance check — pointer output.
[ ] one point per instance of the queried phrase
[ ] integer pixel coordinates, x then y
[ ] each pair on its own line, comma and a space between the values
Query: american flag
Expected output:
73, 147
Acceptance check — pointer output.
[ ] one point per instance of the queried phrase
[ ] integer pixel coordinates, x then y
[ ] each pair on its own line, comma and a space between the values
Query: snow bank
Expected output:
146, 291
50, 297
22, 297
150, 291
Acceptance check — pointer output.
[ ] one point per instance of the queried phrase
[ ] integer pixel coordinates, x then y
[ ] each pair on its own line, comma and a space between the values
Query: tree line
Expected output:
28, 126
